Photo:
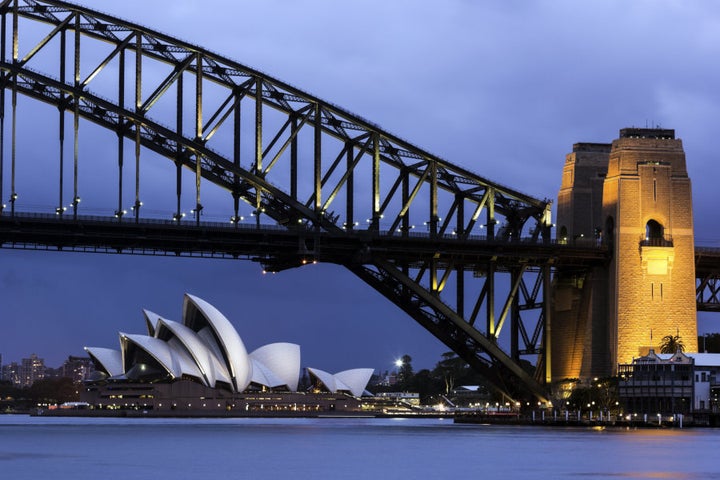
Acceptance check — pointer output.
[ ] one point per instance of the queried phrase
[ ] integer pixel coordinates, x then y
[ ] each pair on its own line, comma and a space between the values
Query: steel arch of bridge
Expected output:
342, 189
707, 283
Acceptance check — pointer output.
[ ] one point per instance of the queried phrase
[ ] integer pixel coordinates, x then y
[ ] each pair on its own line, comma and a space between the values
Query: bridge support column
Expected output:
633, 197
647, 200
548, 316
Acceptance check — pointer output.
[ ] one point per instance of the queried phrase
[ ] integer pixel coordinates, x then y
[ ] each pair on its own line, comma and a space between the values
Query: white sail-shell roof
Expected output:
353, 381
283, 360
151, 321
207, 347
174, 360
212, 370
224, 334
108, 358
325, 378
262, 375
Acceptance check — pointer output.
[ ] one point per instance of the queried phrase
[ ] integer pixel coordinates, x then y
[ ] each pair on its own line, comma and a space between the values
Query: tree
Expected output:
672, 344
405, 371
451, 368
53, 390
424, 384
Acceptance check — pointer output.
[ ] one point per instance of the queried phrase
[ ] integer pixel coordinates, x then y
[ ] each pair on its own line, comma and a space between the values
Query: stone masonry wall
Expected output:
655, 280
648, 291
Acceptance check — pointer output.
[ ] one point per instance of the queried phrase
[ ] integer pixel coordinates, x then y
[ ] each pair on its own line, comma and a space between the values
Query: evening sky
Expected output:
503, 88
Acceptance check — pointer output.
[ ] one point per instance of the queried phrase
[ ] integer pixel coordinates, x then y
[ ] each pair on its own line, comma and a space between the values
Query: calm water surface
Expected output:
89, 448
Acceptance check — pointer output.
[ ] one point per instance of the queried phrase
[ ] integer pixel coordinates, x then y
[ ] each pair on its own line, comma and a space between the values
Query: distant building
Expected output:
410, 398
11, 373
469, 396
387, 379
78, 369
31, 370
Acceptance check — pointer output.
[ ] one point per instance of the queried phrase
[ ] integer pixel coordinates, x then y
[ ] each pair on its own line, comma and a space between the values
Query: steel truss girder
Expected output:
707, 274
345, 148
328, 120
481, 352
708, 293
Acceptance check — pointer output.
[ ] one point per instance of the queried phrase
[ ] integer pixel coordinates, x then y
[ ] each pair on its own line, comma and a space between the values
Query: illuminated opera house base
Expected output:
188, 398
201, 367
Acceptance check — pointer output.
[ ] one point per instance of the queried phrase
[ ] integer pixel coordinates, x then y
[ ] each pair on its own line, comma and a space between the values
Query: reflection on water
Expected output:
86, 448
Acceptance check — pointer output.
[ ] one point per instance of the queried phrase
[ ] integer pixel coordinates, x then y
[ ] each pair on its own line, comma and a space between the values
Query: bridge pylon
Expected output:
633, 196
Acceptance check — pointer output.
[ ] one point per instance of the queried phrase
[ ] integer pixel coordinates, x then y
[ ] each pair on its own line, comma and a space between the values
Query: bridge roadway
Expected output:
276, 247
264, 243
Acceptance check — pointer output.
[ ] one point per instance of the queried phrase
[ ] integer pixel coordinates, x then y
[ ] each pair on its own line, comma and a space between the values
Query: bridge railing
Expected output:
664, 241
250, 226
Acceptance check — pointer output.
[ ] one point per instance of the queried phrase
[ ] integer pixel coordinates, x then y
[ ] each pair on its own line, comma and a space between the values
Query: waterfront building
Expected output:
469, 396
186, 397
409, 398
707, 381
670, 383
202, 363
658, 385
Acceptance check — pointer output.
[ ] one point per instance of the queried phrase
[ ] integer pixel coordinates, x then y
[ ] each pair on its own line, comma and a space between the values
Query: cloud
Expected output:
503, 89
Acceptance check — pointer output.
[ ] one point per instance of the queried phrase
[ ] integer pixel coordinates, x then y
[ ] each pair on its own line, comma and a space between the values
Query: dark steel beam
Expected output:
707, 273
46, 230
386, 179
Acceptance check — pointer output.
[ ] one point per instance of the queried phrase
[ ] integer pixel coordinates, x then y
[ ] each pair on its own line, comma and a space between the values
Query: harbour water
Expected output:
343, 448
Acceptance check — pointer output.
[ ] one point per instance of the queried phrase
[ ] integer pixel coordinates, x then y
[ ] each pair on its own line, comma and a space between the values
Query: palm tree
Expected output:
672, 344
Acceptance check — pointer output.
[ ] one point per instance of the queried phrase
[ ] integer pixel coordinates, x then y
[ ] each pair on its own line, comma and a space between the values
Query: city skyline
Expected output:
503, 90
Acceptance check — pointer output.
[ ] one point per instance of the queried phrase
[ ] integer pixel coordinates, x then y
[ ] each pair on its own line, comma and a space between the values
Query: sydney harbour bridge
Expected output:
153, 137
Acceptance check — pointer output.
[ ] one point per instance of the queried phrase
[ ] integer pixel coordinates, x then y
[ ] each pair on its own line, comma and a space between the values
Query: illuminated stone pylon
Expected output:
634, 196
647, 209
580, 334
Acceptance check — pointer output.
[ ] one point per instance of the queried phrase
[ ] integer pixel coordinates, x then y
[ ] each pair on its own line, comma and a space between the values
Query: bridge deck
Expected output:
268, 243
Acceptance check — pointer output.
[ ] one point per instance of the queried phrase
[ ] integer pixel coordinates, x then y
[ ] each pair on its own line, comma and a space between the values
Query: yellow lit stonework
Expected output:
657, 260
633, 196
654, 288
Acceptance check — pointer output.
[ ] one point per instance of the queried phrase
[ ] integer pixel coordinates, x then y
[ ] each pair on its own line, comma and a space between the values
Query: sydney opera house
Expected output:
201, 367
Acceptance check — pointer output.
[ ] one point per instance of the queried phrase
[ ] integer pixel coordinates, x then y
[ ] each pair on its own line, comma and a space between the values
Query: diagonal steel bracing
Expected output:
302, 179
482, 353
707, 271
